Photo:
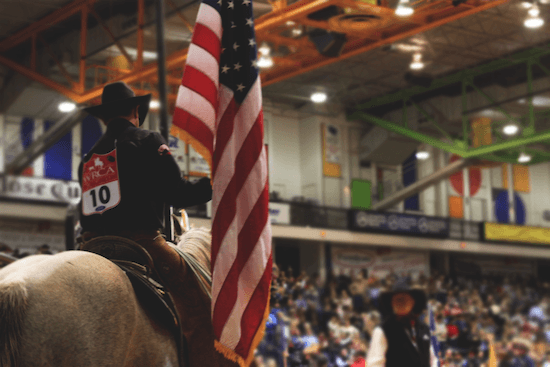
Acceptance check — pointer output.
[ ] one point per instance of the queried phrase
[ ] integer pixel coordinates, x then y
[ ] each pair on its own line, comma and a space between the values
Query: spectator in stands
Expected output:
521, 346
44, 249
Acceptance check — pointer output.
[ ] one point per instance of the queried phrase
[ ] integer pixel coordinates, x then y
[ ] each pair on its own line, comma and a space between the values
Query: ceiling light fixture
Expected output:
264, 49
510, 129
66, 106
296, 32
417, 63
534, 20
524, 158
526, 4
422, 155
318, 97
265, 62
154, 104
404, 9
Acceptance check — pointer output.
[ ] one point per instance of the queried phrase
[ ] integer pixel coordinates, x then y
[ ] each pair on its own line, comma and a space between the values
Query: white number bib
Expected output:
100, 184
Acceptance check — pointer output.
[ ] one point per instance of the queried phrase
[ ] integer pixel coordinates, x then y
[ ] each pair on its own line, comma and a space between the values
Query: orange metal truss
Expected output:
274, 28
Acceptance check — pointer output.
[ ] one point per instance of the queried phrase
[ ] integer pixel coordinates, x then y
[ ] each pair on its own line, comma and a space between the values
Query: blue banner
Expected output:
361, 220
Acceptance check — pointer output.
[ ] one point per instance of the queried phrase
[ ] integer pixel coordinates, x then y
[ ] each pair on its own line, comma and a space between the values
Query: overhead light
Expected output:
318, 97
538, 101
66, 106
289, 23
296, 32
510, 129
534, 21
265, 49
417, 63
265, 62
524, 158
534, 11
404, 9
422, 155
154, 104
526, 4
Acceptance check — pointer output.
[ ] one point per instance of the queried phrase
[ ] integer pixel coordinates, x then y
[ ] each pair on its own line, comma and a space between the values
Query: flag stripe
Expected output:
209, 17
204, 37
254, 318
185, 121
201, 84
198, 106
247, 202
202, 60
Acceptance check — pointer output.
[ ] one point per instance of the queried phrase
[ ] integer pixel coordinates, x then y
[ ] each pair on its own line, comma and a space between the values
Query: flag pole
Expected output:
163, 111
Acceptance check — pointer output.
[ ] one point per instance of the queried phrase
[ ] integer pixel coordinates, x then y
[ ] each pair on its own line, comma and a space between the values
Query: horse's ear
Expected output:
178, 230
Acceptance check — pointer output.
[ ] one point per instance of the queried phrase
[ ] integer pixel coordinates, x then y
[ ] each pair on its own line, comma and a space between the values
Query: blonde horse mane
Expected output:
196, 244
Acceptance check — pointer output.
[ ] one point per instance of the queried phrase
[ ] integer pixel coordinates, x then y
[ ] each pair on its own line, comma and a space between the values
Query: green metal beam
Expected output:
423, 138
469, 74
507, 145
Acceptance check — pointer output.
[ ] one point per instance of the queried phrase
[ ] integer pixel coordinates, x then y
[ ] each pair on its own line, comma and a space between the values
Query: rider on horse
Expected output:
128, 178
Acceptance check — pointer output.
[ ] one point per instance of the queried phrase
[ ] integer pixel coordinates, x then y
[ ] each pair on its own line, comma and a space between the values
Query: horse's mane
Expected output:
195, 247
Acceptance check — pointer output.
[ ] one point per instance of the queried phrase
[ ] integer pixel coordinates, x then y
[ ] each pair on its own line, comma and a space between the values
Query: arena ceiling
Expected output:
42, 56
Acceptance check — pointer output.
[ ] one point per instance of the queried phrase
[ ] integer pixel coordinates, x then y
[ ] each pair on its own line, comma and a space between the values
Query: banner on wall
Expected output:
279, 213
198, 166
179, 152
467, 231
512, 233
331, 150
398, 223
379, 263
40, 189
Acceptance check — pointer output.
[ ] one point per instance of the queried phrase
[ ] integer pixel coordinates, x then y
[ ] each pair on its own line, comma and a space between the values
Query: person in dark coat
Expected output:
402, 339
127, 180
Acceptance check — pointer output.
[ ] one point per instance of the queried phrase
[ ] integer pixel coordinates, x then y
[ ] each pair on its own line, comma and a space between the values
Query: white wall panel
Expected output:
38, 164
539, 198
311, 159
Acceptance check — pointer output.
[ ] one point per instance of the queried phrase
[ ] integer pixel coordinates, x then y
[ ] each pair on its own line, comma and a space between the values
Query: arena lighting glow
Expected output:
318, 97
534, 21
66, 106
297, 32
264, 49
524, 158
289, 23
422, 155
510, 129
417, 63
404, 9
154, 104
265, 62
526, 4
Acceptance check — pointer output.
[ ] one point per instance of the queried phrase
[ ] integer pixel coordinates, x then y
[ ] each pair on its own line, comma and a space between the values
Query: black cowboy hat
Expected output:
116, 95
418, 295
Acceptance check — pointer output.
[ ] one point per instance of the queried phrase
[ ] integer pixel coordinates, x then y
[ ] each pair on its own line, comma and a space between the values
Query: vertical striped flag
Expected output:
219, 112
434, 344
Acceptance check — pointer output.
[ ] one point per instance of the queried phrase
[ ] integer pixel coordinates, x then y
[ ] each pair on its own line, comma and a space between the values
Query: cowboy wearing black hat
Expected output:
127, 179
402, 339
129, 175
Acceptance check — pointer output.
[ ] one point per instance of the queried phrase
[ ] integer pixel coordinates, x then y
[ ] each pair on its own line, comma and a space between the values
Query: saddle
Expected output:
139, 267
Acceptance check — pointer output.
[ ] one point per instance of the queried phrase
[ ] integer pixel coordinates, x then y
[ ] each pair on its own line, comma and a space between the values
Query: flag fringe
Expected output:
232, 355
229, 353
189, 139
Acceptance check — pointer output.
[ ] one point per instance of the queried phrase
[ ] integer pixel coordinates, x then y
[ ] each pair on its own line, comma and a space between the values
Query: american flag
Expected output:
434, 344
219, 111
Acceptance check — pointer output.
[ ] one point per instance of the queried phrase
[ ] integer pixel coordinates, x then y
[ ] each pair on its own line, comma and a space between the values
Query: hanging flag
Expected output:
434, 344
219, 112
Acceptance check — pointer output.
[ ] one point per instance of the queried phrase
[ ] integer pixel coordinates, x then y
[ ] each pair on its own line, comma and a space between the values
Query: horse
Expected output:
77, 308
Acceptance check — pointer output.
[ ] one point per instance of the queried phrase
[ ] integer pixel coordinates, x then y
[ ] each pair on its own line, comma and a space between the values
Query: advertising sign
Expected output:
399, 223
467, 231
279, 213
379, 263
41, 189
512, 233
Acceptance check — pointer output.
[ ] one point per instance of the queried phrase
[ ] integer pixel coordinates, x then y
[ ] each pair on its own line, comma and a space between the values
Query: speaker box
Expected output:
328, 44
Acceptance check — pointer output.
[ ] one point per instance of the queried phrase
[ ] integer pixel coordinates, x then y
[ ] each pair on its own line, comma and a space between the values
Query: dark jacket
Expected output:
128, 177
401, 351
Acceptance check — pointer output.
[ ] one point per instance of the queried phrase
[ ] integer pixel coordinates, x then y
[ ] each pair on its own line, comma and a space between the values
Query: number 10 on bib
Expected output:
100, 183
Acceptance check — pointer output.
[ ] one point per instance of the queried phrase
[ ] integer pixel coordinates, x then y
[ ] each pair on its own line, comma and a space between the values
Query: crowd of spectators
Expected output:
314, 323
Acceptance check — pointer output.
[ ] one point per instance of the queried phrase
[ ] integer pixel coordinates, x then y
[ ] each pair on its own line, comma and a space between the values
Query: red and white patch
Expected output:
163, 149
100, 184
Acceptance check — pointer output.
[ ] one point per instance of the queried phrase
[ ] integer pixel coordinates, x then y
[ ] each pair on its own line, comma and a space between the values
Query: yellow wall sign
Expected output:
511, 233
331, 151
